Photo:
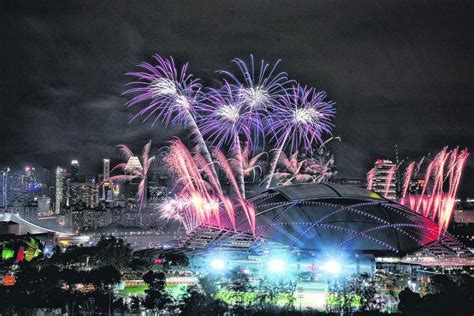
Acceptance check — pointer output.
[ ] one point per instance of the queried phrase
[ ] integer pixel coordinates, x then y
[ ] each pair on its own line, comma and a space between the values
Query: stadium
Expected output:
308, 226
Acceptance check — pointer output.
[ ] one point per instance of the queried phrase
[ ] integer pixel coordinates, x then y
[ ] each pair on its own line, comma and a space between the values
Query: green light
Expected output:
7, 254
374, 195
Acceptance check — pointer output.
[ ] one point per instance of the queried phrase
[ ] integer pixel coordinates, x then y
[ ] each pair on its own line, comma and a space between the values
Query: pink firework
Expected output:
370, 178
291, 170
250, 165
441, 183
389, 180
179, 209
197, 185
407, 178
227, 169
134, 169
192, 186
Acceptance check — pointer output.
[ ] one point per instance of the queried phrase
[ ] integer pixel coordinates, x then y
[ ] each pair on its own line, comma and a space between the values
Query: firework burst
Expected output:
168, 95
440, 184
300, 119
257, 88
407, 178
135, 172
225, 120
370, 178
196, 183
251, 166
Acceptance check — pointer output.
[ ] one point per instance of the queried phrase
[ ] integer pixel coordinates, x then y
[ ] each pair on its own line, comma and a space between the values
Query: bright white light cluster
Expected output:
332, 266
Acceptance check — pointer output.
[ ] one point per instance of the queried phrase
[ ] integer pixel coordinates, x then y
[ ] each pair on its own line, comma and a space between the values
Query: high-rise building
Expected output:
59, 189
115, 191
106, 166
106, 185
29, 183
83, 193
29, 176
44, 205
74, 171
30, 211
46, 180
133, 163
134, 166
384, 178
156, 193
4, 187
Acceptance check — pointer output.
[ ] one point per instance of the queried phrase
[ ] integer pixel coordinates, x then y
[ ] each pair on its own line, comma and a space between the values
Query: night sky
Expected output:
400, 72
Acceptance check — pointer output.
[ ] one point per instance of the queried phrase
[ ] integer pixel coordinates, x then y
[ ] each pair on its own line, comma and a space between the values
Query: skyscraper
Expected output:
106, 185
133, 163
5, 187
74, 171
384, 178
83, 193
59, 189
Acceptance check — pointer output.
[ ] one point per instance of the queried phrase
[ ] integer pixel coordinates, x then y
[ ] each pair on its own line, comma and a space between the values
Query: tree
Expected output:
66, 281
195, 302
121, 306
409, 302
104, 277
449, 295
340, 299
364, 287
156, 298
210, 284
270, 293
135, 304
111, 251
238, 285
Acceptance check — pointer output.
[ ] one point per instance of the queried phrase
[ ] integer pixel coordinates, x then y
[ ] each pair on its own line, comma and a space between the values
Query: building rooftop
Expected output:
308, 191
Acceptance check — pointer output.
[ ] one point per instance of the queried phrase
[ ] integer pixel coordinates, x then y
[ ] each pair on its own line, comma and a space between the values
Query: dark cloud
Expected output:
399, 71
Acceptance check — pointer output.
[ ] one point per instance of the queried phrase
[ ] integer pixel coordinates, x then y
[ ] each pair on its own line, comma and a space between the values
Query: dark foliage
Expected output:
447, 296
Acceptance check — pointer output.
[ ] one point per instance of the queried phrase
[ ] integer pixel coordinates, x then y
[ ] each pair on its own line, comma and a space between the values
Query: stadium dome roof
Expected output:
322, 216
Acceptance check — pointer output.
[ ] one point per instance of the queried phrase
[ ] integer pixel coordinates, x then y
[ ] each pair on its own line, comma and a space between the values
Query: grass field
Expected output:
134, 290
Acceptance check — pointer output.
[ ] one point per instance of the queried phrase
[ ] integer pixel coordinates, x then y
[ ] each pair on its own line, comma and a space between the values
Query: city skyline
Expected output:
62, 101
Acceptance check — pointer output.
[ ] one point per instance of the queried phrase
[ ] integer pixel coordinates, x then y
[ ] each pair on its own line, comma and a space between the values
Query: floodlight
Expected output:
218, 264
332, 266
276, 265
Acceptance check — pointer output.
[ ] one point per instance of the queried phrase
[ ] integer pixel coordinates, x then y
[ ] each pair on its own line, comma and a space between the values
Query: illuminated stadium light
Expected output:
48, 251
332, 266
218, 264
276, 265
